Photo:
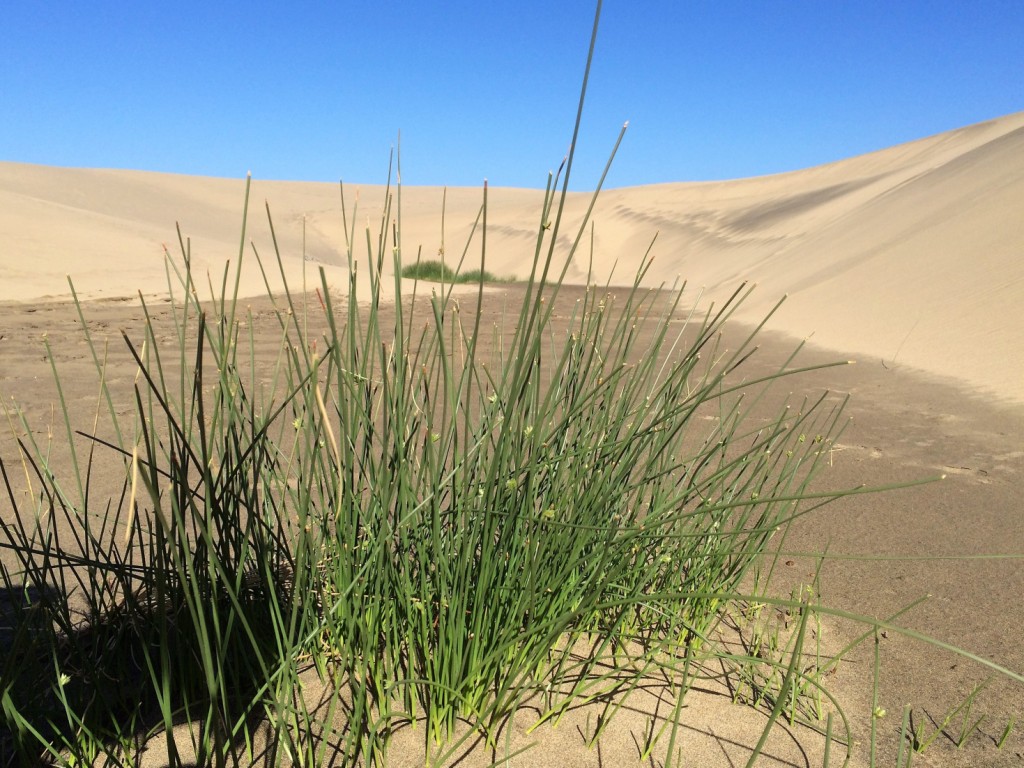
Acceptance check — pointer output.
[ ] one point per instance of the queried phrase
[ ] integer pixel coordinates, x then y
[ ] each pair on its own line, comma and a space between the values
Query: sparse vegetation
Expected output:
439, 531
412, 522
438, 272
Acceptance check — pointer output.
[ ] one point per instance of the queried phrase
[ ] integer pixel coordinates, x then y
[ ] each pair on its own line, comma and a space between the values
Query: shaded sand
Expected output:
905, 426
911, 254
908, 259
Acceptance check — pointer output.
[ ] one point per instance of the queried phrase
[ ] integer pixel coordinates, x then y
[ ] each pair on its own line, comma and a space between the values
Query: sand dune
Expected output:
911, 255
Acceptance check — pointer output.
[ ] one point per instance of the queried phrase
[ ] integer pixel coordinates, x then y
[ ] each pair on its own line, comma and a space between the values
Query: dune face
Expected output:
911, 256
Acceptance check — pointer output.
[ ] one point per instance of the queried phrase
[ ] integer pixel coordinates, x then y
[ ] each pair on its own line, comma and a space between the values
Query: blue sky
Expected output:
320, 90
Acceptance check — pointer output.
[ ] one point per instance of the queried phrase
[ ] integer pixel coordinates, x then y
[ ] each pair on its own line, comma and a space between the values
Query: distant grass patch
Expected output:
439, 272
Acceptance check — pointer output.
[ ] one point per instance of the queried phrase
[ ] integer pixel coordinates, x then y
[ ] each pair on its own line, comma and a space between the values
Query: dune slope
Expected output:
910, 256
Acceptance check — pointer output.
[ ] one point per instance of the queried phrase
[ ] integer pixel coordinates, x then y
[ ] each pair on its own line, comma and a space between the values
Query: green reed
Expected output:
401, 517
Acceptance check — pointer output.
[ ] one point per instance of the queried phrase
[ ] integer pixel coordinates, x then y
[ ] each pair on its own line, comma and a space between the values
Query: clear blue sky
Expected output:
320, 90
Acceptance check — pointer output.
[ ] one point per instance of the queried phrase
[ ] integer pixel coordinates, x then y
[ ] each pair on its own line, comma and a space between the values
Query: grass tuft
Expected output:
400, 517
438, 272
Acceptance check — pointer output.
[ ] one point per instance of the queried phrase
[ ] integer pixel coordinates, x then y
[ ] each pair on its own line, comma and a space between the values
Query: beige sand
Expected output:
905, 427
911, 255
910, 258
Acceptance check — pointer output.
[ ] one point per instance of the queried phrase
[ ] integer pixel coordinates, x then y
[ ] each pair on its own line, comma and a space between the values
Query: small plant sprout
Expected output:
1005, 733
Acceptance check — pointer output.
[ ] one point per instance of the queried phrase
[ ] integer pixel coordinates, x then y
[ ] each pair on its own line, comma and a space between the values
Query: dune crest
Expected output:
908, 256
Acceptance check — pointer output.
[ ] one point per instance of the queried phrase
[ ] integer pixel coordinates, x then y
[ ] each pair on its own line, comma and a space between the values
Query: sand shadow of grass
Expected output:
79, 680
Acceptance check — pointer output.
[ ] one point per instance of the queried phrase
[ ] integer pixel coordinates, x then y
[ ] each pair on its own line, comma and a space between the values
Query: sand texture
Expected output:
911, 255
910, 260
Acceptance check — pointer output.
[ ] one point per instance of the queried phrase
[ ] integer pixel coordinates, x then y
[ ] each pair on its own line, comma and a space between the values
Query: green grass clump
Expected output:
437, 524
399, 519
439, 272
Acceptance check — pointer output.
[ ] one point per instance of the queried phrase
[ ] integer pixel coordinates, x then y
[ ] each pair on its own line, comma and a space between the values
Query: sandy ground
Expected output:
905, 426
908, 260
910, 254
